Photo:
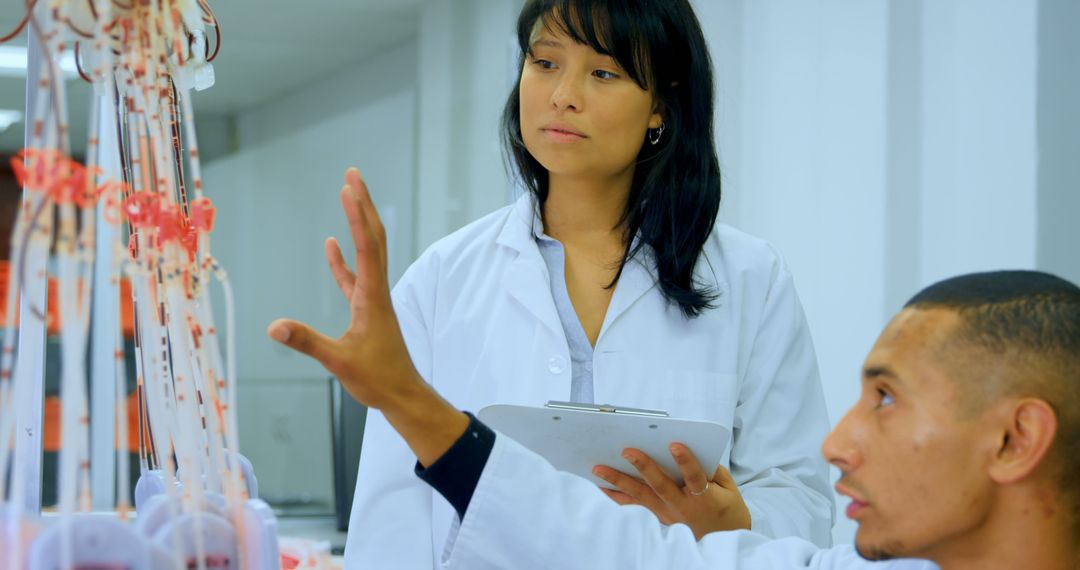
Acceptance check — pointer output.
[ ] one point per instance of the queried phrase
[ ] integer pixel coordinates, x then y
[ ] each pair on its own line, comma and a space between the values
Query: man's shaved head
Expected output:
1018, 336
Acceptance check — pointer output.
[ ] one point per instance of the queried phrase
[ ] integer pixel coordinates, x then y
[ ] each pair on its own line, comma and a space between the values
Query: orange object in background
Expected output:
52, 318
51, 432
53, 408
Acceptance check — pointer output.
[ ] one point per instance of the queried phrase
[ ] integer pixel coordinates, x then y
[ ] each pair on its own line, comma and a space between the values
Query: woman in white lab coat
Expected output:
608, 282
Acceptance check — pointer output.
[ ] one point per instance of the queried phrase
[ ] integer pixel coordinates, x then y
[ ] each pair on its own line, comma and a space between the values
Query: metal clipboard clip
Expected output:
605, 408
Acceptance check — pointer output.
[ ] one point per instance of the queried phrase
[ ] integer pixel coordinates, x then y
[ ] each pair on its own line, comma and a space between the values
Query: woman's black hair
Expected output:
675, 193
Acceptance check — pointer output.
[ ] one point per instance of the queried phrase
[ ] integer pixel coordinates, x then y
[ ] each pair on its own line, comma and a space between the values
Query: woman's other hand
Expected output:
702, 503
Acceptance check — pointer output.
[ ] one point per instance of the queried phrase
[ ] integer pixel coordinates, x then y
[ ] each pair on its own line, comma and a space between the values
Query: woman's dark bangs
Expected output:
606, 26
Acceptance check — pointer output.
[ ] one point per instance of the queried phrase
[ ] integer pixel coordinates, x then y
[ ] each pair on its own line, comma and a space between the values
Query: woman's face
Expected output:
581, 114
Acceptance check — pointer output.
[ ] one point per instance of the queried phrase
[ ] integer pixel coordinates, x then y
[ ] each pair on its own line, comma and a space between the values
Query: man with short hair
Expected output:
963, 449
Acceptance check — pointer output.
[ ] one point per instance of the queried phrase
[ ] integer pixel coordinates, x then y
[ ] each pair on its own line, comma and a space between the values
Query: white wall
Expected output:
422, 123
979, 190
468, 64
1059, 137
277, 200
880, 146
810, 167
278, 195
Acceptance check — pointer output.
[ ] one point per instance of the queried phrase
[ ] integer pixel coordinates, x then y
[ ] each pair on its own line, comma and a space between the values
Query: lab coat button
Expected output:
556, 364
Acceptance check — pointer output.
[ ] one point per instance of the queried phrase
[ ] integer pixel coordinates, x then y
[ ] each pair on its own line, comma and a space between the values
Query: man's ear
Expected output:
1030, 431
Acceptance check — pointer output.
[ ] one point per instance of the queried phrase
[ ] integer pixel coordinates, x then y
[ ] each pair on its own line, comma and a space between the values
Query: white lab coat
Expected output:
525, 515
480, 323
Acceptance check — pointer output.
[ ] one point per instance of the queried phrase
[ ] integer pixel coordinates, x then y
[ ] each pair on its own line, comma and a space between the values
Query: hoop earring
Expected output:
655, 134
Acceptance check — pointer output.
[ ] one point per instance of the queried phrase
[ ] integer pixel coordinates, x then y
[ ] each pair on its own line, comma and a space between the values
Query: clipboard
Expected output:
577, 437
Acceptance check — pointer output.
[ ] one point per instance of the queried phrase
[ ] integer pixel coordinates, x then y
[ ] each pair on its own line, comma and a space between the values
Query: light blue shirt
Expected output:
581, 350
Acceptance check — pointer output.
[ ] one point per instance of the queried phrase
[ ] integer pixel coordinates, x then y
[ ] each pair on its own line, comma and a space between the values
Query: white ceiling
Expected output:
269, 48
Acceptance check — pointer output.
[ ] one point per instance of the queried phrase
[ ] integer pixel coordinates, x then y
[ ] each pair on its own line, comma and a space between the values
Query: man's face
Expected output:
913, 465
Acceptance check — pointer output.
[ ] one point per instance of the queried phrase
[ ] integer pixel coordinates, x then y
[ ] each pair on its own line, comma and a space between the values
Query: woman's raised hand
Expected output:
370, 359
705, 505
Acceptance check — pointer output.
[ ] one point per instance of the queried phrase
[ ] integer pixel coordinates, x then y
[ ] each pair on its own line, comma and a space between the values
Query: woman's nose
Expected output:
567, 94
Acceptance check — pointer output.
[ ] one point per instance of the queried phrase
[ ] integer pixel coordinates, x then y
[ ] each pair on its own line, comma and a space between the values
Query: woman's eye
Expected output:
544, 63
604, 74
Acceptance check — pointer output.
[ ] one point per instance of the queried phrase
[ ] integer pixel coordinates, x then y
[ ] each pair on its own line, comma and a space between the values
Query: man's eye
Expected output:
604, 74
885, 398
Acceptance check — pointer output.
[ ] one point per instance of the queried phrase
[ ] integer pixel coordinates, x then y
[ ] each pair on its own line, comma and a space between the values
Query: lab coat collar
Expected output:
636, 280
522, 227
527, 278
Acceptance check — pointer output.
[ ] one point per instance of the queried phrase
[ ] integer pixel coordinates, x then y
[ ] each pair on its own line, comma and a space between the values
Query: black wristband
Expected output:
456, 474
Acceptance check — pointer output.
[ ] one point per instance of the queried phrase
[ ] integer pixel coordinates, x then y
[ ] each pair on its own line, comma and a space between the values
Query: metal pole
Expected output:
30, 386
104, 322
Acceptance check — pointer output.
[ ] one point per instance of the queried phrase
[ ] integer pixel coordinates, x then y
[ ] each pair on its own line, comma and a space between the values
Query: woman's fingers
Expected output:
630, 491
354, 179
623, 499
619, 497
367, 206
363, 238
723, 478
344, 277
654, 476
369, 250
626, 484
370, 286
693, 476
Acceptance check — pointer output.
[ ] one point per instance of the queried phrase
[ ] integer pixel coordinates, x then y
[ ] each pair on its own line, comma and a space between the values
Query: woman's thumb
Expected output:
302, 338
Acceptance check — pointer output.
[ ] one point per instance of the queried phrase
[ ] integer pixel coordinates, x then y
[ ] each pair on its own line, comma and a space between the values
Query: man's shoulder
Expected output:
796, 553
846, 557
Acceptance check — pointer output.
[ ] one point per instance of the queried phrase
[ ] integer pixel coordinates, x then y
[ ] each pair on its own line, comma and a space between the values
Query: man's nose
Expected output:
840, 447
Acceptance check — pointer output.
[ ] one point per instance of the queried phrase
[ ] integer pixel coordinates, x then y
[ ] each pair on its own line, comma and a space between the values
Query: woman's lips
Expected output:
559, 131
563, 136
